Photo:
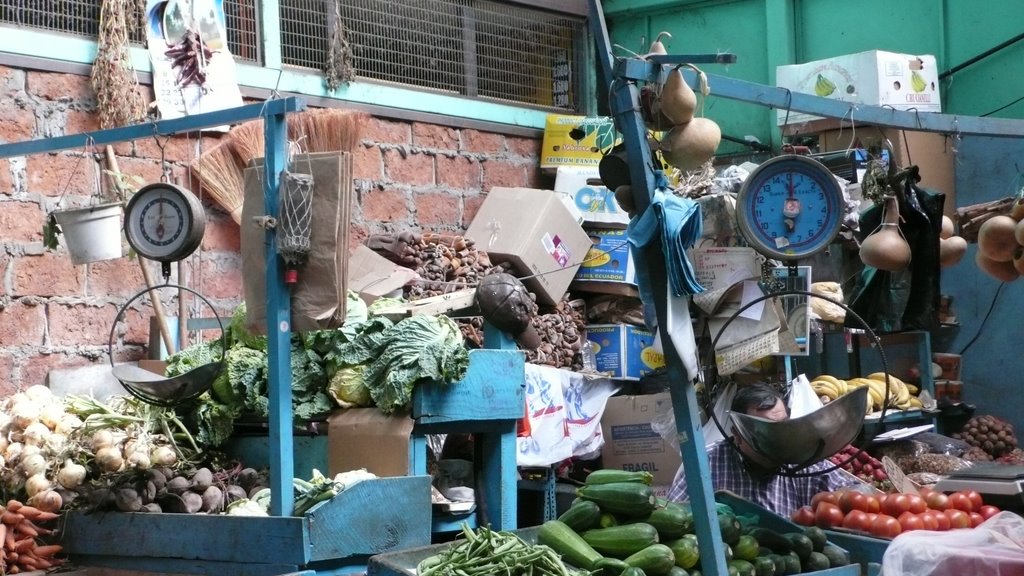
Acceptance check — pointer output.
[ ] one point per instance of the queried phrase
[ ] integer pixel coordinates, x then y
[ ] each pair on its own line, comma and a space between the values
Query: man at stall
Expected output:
735, 469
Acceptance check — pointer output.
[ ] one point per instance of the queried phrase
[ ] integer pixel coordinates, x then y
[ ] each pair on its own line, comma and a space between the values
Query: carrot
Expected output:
45, 516
47, 550
28, 561
11, 518
27, 528
13, 505
8, 538
30, 512
24, 545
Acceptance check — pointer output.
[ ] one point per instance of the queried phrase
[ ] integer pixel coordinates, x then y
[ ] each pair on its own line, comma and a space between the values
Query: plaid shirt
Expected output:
779, 494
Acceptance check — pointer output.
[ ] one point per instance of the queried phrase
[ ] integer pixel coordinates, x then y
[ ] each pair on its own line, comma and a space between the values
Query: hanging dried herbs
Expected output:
189, 56
118, 100
338, 67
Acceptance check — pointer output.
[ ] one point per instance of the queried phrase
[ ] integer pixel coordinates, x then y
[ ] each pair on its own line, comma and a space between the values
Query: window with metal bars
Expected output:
479, 48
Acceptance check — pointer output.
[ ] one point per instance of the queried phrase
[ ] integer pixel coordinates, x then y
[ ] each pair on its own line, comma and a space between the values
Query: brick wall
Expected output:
408, 176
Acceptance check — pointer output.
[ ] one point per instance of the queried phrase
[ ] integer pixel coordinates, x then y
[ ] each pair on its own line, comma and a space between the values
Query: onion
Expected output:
25, 413
34, 464
163, 456
71, 475
39, 394
36, 434
102, 439
13, 452
5, 421
689, 146
139, 459
4, 443
30, 449
68, 423
51, 415
47, 501
109, 459
35, 484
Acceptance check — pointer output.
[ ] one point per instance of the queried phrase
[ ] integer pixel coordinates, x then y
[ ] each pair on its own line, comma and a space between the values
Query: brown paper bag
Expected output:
318, 298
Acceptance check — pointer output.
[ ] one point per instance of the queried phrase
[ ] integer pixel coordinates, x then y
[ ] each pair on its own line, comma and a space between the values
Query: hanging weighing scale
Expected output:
790, 207
165, 222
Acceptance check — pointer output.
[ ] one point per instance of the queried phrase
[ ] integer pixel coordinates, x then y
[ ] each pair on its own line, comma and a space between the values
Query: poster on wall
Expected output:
193, 70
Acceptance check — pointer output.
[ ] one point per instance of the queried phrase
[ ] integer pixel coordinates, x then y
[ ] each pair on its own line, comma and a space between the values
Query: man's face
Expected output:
776, 413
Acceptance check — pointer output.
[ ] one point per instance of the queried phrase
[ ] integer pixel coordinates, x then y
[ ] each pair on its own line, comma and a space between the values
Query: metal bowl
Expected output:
800, 442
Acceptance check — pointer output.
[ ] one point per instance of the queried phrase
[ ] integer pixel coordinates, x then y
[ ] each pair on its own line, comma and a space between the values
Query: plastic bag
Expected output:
899, 449
939, 444
994, 548
934, 463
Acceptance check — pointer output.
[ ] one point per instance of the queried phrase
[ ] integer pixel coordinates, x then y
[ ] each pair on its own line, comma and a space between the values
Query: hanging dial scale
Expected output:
164, 222
790, 207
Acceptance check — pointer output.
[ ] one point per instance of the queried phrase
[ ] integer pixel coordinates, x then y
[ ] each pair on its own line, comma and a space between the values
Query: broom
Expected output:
316, 130
221, 176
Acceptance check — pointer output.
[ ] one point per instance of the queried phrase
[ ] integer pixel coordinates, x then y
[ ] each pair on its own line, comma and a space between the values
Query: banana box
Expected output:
875, 77
624, 351
575, 141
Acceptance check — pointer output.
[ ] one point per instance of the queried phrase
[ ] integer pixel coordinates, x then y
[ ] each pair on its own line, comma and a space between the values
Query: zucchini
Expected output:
772, 540
672, 520
607, 520
609, 476
569, 545
621, 541
625, 498
582, 516
655, 560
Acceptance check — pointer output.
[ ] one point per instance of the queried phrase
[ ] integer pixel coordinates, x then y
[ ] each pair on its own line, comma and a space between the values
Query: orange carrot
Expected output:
11, 518
13, 505
30, 512
47, 550
24, 545
45, 516
27, 528
8, 538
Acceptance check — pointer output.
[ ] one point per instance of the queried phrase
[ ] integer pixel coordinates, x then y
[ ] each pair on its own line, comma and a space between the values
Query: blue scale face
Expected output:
792, 207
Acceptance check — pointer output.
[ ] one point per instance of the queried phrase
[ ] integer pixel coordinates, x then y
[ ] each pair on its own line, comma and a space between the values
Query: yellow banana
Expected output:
915, 402
825, 388
913, 390
823, 86
828, 378
880, 376
916, 82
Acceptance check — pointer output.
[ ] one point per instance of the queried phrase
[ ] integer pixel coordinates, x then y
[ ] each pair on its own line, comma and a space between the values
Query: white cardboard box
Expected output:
875, 77
595, 203
631, 440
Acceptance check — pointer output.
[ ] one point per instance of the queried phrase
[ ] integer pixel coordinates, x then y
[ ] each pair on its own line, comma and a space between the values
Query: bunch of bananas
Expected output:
902, 396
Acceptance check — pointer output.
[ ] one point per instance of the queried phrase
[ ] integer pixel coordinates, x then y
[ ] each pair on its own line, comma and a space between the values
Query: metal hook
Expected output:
165, 169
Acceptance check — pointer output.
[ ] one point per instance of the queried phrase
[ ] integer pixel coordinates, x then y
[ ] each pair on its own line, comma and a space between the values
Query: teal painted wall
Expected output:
766, 33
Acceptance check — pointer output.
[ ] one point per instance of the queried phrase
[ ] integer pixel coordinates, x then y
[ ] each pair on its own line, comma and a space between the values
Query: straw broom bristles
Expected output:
315, 130
222, 177
246, 141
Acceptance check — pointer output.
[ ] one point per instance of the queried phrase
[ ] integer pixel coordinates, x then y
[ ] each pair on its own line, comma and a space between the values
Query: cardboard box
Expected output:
624, 351
367, 438
575, 141
877, 78
534, 231
632, 443
595, 204
372, 276
608, 267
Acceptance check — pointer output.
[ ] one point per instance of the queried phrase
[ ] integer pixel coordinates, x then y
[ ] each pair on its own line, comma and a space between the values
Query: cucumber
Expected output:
609, 476
621, 541
624, 498
570, 545
655, 560
582, 516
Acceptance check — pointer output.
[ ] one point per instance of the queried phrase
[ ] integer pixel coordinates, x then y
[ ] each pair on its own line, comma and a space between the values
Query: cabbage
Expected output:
348, 388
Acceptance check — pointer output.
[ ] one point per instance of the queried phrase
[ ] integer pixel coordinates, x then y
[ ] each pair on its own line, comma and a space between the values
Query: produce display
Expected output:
864, 466
618, 526
485, 551
26, 532
992, 435
902, 395
889, 515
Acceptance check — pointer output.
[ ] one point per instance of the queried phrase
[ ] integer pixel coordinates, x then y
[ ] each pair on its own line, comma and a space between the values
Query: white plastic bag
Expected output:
994, 548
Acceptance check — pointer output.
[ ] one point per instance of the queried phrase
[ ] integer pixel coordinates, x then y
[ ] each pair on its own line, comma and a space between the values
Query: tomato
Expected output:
896, 504
872, 505
924, 491
830, 497
910, 521
929, 521
871, 518
937, 501
803, 516
827, 515
917, 503
987, 511
975, 498
886, 526
941, 519
957, 518
960, 501
857, 520
853, 500
976, 519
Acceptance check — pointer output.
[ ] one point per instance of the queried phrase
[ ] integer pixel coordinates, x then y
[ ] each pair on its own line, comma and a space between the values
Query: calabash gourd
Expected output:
657, 47
996, 239
1017, 211
1002, 271
886, 248
1018, 233
947, 227
678, 101
951, 250
688, 146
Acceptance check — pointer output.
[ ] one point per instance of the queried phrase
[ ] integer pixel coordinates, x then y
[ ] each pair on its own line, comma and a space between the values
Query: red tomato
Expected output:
987, 511
827, 515
975, 498
857, 520
917, 503
937, 501
803, 516
871, 518
886, 526
896, 504
960, 501
941, 519
872, 505
976, 519
958, 518
830, 497
853, 500
910, 521
929, 521
924, 491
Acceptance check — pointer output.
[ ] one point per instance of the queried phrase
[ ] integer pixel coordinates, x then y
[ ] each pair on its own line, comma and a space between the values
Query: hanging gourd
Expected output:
688, 146
678, 101
1002, 271
996, 239
951, 250
886, 248
657, 47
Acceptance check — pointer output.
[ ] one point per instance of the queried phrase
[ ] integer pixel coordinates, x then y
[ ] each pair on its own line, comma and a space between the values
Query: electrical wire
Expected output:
981, 326
1001, 108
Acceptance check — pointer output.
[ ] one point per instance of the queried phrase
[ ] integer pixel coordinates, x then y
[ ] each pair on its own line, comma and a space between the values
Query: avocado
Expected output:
817, 536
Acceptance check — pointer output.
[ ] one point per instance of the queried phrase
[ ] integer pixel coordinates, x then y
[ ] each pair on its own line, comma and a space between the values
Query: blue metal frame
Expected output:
273, 112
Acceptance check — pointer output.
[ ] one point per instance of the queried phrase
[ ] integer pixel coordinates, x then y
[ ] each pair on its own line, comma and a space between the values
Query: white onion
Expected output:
39, 393
51, 415
25, 413
47, 501
35, 484
71, 475
34, 464
55, 442
163, 456
13, 452
36, 434
139, 459
30, 449
4, 443
68, 423
109, 459
102, 439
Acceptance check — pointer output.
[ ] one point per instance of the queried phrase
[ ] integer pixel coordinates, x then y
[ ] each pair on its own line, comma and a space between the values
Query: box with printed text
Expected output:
624, 351
631, 439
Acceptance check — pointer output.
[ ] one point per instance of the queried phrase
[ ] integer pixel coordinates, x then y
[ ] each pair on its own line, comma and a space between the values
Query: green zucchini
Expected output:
772, 540
609, 476
621, 541
568, 544
582, 516
672, 520
655, 560
607, 519
625, 498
